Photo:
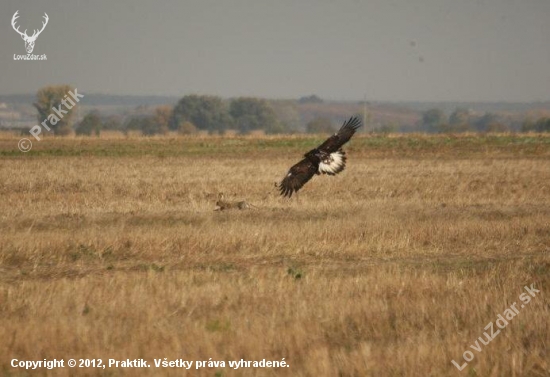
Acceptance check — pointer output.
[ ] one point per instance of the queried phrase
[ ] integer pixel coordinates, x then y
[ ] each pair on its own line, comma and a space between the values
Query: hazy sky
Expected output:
417, 50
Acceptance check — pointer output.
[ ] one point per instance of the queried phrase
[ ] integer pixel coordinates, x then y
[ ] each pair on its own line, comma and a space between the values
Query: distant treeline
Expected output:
467, 120
192, 114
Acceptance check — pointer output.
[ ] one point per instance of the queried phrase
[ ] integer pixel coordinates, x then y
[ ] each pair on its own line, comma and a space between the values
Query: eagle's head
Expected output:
315, 155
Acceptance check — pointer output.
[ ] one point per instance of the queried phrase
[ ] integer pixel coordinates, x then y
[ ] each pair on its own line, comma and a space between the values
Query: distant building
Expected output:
11, 119
6, 114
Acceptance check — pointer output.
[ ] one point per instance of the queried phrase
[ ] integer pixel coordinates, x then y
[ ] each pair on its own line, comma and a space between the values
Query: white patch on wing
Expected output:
334, 164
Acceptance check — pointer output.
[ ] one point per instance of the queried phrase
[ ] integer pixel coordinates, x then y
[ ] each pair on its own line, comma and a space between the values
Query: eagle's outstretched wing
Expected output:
335, 142
297, 176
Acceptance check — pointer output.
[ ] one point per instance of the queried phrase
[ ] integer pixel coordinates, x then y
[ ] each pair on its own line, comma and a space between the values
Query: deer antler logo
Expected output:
29, 41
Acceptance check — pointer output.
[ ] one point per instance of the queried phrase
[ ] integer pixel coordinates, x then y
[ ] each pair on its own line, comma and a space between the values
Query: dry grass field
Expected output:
110, 248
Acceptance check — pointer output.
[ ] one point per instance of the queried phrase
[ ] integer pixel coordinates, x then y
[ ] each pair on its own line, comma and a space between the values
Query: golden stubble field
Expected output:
110, 248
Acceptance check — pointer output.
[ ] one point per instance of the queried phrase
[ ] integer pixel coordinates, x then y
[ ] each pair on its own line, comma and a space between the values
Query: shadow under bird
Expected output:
327, 158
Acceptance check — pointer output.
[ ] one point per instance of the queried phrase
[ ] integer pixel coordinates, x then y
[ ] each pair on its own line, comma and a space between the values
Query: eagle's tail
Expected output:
334, 163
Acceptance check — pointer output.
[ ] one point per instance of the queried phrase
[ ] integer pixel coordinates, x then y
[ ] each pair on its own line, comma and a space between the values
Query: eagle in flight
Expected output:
327, 158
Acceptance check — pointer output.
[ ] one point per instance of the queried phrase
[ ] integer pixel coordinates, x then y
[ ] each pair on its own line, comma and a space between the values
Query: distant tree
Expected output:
434, 120
163, 114
320, 126
254, 114
542, 125
51, 97
149, 126
146, 124
459, 121
459, 116
288, 114
133, 124
459, 128
310, 99
113, 122
205, 112
90, 124
484, 122
497, 127
187, 128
